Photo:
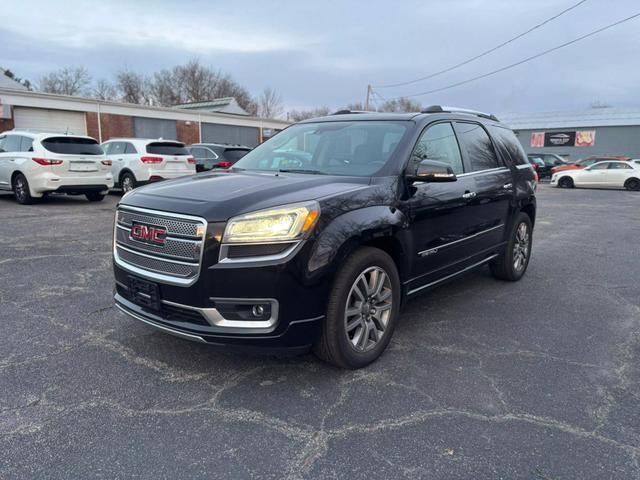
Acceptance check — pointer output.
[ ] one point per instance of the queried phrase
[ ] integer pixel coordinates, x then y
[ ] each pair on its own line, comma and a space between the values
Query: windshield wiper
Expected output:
301, 170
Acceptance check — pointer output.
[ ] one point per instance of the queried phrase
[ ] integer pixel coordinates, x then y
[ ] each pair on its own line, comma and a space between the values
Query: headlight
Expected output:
289, 222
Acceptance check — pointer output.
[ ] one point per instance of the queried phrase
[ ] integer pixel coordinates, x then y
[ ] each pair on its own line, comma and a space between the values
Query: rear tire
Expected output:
632, 184
356, 332
94, 196
566, 182
127, 182
21, 190
513, 263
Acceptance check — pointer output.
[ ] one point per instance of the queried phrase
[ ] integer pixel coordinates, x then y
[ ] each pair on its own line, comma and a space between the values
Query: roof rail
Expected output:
444, 109
346, 111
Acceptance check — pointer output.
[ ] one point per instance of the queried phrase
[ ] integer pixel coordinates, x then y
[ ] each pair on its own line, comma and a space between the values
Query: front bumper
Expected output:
296, 337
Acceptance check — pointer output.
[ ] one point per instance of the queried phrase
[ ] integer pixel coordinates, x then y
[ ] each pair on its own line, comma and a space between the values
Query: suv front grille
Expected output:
176, 261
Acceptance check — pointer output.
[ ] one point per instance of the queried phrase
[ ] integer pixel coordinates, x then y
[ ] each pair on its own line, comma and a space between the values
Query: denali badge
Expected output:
152, 234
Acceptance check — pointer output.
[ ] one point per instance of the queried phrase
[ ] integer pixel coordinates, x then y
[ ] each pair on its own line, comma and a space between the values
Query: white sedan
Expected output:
608, 174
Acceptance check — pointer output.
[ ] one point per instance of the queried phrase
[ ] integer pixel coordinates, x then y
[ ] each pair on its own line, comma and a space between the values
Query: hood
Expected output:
218, 196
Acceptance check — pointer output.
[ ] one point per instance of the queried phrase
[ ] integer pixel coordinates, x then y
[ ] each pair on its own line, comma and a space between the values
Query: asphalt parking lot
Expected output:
483, 379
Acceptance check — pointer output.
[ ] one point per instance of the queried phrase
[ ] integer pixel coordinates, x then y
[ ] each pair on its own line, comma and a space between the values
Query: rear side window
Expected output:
167, 148
129, 148
509, 146
235, 154
619, 166
478, 146
2, 140
439, 143
12, 143
72, 146
26, 144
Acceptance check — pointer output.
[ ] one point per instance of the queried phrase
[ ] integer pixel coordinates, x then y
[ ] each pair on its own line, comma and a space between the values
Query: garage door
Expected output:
154, 128
212, 132
58, 121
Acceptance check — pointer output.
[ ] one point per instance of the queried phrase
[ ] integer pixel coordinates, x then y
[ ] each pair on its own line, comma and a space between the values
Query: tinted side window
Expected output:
117, 148
129, 148
2, 140
12, 143
26, 144
478, 146
198, 152
509, 147
619, 166
439, 143
235, 154
601, 166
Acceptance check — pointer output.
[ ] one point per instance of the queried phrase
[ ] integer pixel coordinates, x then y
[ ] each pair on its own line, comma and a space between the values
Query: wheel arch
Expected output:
381, 227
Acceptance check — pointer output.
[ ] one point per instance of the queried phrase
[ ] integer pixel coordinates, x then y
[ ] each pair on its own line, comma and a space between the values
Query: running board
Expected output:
455, 274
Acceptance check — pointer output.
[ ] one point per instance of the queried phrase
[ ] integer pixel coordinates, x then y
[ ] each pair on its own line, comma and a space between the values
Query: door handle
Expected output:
119, 159
507, 186
468, 195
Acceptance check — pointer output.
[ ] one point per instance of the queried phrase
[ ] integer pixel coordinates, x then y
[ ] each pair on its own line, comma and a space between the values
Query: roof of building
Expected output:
223, 105
594, 117
6, 82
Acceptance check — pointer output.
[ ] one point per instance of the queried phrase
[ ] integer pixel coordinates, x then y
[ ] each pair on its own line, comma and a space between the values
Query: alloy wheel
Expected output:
20, 189
127, 184
368, 309
521, 247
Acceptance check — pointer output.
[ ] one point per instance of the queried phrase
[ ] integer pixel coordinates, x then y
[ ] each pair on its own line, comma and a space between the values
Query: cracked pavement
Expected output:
483, 379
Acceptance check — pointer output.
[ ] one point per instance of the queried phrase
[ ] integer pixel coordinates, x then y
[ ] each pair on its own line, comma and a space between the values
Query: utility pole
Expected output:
366, 103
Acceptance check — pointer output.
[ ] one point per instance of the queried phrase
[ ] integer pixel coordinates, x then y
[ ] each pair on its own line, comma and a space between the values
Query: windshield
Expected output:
335, 148
72, 145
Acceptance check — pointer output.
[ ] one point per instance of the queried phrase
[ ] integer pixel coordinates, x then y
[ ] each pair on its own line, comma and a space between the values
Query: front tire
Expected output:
566, 182
513, 263
21, 190
127, 182
362, 311
94, 196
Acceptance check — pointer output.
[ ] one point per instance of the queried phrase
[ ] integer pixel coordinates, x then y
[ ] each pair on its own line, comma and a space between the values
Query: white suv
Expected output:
136, 161
34, 164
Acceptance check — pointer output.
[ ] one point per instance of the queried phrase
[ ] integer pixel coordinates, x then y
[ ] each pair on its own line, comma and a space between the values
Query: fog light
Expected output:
257, 310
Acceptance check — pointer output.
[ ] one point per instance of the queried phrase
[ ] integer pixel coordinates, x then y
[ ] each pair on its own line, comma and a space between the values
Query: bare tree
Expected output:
66, 81
132, 87
194, 82
400, 105
299, 115
104, 90
270, 104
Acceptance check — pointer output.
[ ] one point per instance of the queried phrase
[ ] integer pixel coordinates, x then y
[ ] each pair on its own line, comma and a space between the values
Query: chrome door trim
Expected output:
435, 282
484, 172
431, 251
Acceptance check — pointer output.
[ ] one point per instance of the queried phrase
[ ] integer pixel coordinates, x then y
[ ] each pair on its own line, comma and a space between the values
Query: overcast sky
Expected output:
326, 52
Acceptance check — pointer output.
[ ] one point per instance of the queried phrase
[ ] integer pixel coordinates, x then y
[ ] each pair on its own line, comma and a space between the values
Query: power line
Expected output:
528, 59
487, 52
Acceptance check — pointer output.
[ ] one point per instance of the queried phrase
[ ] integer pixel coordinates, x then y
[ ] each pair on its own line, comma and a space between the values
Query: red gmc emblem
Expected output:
148, 233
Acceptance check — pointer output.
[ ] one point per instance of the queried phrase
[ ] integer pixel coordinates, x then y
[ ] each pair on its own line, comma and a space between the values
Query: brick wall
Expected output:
115, 126
7, 123
188, 132
92, 125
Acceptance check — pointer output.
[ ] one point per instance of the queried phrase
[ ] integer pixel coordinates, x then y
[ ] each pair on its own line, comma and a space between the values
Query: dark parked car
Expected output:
216, 155
286, 252
545, 162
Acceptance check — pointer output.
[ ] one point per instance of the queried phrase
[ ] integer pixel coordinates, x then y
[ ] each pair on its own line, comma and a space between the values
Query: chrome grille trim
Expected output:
175, 248
177, 262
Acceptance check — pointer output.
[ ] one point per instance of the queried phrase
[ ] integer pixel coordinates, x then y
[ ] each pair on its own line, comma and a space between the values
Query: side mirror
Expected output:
432, 171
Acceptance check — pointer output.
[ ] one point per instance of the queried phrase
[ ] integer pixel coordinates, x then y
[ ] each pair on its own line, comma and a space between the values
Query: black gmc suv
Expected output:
317, 236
